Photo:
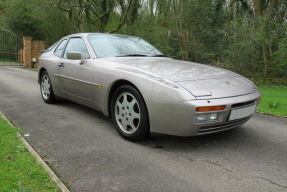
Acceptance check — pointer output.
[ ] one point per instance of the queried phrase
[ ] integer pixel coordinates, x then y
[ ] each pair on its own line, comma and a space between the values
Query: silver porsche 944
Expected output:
142, 90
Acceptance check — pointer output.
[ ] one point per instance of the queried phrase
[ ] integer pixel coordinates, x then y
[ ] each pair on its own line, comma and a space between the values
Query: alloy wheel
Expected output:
127, 112
45, 87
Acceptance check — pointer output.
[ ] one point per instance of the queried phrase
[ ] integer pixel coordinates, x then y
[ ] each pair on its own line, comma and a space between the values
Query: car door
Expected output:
76, 78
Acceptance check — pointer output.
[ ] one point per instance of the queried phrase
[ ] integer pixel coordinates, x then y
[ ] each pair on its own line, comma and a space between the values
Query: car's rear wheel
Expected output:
46, 88
129, 113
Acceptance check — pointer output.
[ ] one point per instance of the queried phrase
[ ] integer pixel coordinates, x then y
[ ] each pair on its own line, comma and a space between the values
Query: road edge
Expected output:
263, 113
55, 178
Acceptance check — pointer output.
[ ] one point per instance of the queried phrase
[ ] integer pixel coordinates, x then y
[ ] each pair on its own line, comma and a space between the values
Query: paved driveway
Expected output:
87, 152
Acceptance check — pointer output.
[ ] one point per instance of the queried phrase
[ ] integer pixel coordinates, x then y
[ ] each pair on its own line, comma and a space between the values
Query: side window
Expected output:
60, 48
77, 44
52, 46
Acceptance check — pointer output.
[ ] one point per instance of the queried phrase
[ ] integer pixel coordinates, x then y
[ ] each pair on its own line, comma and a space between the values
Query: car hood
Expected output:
174, 70
220, 87
199, 79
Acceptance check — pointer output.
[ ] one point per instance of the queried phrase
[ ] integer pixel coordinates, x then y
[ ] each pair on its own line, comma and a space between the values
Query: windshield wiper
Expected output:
158, 56
133, 55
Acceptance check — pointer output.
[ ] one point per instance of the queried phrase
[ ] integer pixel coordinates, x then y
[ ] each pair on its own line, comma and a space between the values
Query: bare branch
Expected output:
80, 16
90, 20
123, 19
69, 16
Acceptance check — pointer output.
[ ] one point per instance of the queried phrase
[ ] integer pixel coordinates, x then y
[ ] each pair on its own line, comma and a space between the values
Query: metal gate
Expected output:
11, 48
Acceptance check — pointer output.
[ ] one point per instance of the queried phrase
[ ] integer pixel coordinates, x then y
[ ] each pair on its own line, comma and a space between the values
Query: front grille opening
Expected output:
243, 104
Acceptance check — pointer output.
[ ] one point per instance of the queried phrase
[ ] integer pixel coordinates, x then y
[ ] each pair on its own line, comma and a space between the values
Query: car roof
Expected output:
86, 34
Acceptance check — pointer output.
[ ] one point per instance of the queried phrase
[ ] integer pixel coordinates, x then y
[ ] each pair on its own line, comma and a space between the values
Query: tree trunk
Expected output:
164, 15
151, 6
258, 7
274, 4
231, 10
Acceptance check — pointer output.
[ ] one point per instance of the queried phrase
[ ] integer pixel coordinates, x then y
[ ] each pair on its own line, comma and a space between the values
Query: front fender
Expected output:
150, 85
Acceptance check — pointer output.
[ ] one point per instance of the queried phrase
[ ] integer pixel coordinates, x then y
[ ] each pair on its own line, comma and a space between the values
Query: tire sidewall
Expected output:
143, 129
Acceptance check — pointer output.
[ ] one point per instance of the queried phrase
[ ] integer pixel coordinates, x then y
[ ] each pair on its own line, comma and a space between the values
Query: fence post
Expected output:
27, 47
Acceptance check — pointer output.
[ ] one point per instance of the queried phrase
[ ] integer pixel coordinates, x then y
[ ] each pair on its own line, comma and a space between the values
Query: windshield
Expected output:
121, 46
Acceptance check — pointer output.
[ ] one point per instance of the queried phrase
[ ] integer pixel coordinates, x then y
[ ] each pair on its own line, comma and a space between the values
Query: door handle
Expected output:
61, 65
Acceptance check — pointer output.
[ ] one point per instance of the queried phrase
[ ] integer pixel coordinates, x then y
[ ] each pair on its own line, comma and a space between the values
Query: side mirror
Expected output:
76, 55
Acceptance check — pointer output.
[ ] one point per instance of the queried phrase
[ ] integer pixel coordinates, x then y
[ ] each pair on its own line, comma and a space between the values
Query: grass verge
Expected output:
273, 94
18, 165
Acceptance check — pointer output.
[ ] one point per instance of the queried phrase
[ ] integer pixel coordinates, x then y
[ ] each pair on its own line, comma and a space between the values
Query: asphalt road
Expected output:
86, 151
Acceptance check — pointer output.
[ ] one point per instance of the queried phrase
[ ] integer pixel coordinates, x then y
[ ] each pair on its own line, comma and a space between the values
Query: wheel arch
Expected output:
40, 74
113, 89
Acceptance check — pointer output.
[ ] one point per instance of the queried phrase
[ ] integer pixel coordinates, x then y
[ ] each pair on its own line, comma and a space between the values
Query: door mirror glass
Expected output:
75, 55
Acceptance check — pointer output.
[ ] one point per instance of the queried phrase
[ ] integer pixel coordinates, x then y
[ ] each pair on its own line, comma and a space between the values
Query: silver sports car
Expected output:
142, 90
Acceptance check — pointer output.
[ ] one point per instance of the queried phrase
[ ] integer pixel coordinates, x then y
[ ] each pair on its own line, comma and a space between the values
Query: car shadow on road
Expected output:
204, 141
83, 109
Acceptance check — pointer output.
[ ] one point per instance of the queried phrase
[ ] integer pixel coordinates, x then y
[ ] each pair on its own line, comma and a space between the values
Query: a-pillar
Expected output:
27, 57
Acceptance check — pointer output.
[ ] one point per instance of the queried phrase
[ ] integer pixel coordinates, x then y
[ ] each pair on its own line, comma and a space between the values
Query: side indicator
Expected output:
260, 98
100, 85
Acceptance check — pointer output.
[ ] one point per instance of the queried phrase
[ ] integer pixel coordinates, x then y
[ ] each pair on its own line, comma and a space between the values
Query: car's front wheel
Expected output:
46, 88
129, 113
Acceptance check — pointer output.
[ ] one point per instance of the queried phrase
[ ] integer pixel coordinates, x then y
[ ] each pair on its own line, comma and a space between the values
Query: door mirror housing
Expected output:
76, 55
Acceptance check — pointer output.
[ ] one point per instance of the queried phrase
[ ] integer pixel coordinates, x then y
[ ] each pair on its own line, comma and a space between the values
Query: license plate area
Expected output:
241, 112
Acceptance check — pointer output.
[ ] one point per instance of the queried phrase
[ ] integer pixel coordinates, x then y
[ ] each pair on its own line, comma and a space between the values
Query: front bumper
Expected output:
178, 118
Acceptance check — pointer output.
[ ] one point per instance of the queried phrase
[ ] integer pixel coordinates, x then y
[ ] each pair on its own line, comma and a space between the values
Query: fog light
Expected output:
208, 117
213, 116
201, 117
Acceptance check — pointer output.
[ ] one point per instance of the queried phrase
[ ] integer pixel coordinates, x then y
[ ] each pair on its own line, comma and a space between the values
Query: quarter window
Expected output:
60, 48
52, 46
77, 44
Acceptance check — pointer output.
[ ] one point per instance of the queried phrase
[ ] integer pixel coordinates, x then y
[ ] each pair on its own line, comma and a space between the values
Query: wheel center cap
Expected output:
126, 113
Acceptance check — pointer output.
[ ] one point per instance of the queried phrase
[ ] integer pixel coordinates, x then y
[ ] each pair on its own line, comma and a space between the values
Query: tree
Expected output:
2, 5
246, 36
20, 21
97, 13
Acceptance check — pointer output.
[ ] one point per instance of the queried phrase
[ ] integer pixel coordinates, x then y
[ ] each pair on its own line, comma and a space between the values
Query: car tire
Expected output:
46, 88
129, 113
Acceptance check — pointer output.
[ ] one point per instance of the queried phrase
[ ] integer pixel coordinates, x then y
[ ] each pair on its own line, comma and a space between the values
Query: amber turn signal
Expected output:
260, 98
100, 85
212, 108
